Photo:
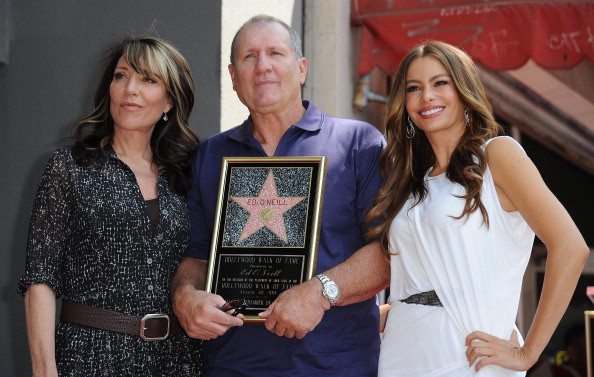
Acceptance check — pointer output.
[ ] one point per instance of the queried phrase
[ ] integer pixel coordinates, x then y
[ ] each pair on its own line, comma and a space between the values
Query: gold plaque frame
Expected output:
589, 318
266, 229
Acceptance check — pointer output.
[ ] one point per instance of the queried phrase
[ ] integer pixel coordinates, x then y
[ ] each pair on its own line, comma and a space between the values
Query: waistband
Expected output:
428, 298
156, 326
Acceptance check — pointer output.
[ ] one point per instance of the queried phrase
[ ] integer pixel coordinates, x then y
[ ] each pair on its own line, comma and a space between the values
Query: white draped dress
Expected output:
476, 272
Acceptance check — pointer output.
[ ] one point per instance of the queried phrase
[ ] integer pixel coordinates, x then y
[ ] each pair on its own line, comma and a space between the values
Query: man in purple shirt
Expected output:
326, 326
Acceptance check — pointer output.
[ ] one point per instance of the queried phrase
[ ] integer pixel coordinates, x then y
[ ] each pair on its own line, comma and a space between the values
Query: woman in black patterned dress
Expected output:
110, 223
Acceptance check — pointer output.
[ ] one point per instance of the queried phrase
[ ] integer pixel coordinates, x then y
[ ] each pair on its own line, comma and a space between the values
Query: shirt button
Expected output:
149, 261
150, 287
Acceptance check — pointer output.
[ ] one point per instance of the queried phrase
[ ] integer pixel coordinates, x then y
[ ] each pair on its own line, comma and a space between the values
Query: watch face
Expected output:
332, 290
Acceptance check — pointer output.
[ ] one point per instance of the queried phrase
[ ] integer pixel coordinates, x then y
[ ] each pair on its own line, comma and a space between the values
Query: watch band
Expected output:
324, 279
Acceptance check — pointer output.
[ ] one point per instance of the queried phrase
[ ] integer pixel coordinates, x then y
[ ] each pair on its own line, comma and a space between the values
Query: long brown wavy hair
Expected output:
172, 141
405, 161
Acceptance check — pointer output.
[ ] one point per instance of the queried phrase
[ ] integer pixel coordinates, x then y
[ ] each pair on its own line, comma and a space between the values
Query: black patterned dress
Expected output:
90, 240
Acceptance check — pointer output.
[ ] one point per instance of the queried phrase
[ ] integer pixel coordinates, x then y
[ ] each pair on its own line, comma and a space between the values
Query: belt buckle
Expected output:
148, 317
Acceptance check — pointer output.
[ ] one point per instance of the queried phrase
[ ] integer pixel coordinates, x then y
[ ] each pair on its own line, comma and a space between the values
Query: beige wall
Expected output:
331, 49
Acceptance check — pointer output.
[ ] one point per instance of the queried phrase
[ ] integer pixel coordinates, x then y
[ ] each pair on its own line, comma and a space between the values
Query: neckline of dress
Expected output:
427, 177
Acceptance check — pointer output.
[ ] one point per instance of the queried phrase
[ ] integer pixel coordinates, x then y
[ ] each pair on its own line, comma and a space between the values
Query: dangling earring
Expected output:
165, 117
410, 130
466, 118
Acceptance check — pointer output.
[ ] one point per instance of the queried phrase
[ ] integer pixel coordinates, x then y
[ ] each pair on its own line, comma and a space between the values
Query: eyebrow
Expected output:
431, 79
142, 72
276, 46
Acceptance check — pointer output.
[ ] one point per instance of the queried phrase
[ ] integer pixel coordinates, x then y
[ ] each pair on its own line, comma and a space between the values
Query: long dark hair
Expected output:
172, 141
405, 160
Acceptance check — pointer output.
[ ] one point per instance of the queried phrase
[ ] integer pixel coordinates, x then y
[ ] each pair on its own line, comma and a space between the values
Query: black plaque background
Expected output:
223, 266
259, 281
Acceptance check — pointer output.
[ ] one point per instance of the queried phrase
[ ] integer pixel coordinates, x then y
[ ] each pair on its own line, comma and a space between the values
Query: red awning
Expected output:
502, 35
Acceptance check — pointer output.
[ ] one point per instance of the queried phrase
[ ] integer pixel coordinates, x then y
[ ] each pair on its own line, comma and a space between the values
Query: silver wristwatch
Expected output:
330, 289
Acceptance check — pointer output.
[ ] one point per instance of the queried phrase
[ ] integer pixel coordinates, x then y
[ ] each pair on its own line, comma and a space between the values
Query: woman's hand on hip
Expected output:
489, 349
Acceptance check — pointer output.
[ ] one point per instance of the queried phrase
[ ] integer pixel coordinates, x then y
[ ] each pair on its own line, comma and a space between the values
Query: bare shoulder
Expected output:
507, 157
504, 148
514, 174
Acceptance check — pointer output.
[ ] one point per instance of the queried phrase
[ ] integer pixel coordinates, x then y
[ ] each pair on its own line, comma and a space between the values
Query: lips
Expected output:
130, 106
431, 111
264, 83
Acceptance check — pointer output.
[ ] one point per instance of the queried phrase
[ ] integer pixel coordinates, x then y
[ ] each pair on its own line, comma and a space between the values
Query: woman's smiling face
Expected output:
432, 101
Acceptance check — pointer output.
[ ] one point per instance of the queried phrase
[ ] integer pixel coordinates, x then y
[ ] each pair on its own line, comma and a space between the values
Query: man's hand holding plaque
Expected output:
200, 312
294, 313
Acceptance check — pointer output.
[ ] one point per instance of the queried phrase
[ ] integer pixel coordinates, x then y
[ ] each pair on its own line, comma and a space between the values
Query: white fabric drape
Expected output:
475, 270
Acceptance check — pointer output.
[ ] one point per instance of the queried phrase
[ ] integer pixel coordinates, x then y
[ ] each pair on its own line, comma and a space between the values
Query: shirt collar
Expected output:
110, 152
311, 121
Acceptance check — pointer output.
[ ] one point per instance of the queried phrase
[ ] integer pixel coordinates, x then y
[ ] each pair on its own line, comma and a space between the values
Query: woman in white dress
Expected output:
456, 217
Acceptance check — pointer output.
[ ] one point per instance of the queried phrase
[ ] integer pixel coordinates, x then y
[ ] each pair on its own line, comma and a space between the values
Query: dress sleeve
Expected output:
48, 225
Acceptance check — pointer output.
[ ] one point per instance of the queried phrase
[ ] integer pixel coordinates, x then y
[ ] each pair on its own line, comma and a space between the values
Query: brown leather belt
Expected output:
150, 327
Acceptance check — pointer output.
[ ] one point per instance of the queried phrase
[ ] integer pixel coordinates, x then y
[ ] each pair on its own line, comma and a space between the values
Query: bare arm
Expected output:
361, 276
300, 309
40, 308
198, 311
384, 309
520, 187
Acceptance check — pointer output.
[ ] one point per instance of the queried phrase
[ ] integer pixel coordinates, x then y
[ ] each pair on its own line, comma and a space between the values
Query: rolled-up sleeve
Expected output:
48, 227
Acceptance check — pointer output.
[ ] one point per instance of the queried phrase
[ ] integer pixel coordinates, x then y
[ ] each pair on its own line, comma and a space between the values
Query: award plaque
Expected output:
266, 229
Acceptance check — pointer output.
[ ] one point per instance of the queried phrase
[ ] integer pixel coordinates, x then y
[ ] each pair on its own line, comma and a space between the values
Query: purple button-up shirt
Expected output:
346, 342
